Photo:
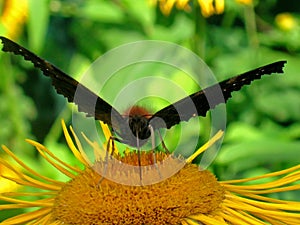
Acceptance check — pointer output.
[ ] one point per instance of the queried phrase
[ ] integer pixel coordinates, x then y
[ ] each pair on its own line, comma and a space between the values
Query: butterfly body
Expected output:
136, 126
138, 130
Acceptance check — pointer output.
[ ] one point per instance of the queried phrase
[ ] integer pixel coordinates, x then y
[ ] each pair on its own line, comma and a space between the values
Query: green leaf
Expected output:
180, 30
141, 11
104, 11
284, 108
37, 24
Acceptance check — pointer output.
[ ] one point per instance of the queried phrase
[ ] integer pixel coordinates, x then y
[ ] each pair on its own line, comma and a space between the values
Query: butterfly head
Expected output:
138, 121
139, 126
136, 126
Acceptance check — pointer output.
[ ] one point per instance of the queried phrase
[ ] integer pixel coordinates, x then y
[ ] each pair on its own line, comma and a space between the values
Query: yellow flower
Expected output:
245, 2
191, 196
208, 7
5, 184
14, 15
285, 21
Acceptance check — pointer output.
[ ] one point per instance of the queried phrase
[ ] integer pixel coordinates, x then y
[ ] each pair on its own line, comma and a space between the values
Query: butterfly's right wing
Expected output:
208, 98
86, 100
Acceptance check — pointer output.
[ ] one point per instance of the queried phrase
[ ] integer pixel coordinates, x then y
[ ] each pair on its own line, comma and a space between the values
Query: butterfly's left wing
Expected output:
87, 101
217, 93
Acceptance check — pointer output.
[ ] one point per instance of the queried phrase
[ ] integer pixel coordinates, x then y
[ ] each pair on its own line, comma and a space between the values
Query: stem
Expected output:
250, 24
199, 38
55, 130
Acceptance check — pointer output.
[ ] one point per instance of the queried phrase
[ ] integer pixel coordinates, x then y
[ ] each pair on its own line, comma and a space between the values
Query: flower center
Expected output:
86, 201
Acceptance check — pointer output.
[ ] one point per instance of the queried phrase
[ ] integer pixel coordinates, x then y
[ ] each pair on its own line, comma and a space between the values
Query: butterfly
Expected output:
137, 126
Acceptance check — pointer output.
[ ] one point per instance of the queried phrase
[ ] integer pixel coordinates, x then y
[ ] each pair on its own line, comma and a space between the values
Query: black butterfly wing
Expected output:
87, 101
217, 93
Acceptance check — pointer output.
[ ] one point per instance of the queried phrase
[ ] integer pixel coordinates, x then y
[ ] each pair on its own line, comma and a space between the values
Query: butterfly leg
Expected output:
139, 155
153, 149
163, 143
152, 143
112, 141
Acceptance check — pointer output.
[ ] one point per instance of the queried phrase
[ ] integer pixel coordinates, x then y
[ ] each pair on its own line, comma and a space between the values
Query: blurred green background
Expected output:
263, 129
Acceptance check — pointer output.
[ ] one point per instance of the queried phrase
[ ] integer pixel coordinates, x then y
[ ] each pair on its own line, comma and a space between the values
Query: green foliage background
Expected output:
263, 129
